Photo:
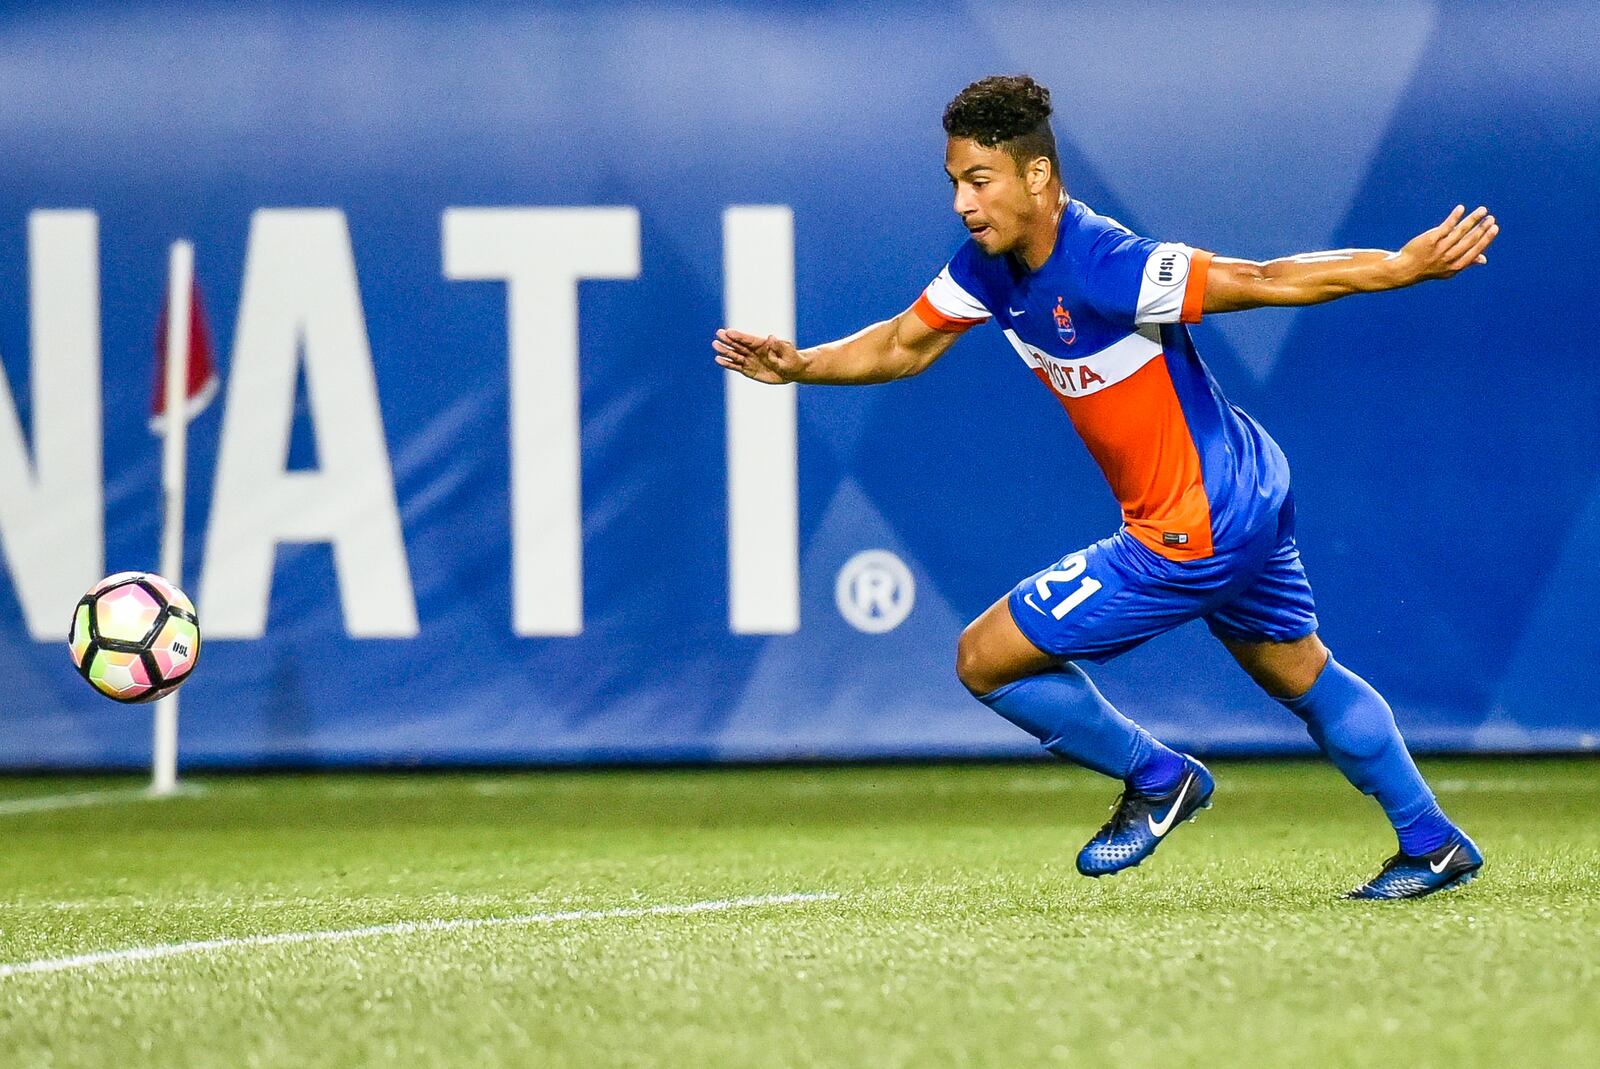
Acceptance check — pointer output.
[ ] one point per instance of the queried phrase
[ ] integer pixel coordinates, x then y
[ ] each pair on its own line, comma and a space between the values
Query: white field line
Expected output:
46, 802
1050, 783
1045, 784
214, 903
208, 946
1515, 786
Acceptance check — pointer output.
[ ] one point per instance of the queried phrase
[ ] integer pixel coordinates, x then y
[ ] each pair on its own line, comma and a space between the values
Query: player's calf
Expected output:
1353, 725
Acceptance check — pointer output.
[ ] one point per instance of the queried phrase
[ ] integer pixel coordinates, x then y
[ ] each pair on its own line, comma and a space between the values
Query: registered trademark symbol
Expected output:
875, 591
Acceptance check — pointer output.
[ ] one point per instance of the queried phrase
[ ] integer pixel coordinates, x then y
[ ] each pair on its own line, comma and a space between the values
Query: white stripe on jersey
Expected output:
1080, 378
1166, 276
948, 298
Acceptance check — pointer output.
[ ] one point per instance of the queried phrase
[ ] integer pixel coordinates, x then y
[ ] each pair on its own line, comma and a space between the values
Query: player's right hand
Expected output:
770, 359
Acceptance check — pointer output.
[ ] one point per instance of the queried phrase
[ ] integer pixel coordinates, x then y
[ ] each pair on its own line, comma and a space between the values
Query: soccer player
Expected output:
1099, 314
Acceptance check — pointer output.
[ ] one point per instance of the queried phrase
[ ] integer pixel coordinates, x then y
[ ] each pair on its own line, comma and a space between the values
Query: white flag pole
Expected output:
174, 460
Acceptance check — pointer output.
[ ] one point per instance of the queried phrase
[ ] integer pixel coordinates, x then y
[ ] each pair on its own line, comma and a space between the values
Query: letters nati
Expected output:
301, 319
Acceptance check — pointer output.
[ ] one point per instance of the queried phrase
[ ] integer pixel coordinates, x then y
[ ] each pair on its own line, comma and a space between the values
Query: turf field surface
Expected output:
790, 917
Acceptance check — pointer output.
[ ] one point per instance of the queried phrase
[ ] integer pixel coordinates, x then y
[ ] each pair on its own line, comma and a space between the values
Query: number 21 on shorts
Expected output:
1069, 570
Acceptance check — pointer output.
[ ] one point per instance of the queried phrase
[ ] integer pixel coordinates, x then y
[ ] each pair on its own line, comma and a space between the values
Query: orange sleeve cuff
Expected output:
1194, 292
937, 320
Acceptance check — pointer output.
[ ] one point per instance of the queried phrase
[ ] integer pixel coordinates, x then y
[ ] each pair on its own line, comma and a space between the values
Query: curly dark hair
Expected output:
1006, 111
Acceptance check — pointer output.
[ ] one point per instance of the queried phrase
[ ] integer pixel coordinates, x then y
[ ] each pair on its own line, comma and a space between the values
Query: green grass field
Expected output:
959, 934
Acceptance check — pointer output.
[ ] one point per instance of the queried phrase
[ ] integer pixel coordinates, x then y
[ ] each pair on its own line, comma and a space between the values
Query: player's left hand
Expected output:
1449, 248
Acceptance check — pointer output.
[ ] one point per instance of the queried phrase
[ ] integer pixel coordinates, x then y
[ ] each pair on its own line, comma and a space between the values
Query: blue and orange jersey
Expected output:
1103, 324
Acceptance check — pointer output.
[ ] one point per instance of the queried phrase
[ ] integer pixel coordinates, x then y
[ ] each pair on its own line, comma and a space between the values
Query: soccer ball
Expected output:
134, 637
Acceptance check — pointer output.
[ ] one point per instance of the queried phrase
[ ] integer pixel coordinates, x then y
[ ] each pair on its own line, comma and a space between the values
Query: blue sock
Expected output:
1355, 727
1064, 711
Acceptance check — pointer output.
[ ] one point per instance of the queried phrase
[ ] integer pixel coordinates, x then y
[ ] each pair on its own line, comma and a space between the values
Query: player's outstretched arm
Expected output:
1312, 278
893, 349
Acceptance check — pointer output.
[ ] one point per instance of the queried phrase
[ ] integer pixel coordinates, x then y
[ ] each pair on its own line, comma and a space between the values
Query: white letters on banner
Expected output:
300, 301
763, 493
541, 254
51, 505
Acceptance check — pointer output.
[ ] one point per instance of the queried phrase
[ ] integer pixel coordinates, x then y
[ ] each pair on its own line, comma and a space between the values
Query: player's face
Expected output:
991, 194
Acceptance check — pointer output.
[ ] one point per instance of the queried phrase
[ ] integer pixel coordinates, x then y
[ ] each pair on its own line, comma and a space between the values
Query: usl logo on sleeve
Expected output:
1064, 323
1167, 267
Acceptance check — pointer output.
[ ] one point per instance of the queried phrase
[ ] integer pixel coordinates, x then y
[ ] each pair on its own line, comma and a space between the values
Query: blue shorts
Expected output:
1103, 601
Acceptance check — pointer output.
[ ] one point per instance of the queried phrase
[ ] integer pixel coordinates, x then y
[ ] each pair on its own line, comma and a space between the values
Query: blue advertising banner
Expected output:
474, 491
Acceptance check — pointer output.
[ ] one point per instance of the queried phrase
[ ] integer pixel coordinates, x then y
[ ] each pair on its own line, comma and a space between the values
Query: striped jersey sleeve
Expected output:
951, 302
1135, 280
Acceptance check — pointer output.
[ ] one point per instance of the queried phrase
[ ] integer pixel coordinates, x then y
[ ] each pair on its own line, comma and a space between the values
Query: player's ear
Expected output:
1037, 174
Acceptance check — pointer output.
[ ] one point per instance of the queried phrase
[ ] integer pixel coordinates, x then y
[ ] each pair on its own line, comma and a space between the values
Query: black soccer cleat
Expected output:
1405, 876
1140, 821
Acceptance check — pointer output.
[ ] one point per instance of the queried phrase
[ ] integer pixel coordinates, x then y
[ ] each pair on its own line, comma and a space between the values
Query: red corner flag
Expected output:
202, 385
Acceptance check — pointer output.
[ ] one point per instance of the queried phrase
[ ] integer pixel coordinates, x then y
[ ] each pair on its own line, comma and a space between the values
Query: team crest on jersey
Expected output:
1064, 326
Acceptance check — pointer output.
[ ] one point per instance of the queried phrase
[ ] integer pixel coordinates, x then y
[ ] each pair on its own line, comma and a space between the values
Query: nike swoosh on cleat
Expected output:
1161, 829
1440, 867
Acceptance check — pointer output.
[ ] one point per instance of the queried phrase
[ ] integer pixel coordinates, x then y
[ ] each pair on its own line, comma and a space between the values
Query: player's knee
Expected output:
972, 667
1286, 671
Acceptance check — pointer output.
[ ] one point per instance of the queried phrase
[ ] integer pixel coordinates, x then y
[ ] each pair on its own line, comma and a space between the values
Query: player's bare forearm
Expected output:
1313, 278
893, 349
